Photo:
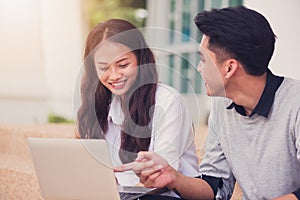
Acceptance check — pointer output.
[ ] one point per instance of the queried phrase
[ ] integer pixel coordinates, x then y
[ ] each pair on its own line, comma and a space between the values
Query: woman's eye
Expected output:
124, 65
103, 68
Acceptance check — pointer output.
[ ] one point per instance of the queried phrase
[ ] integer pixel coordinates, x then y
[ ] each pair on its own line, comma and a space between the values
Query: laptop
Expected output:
78, 169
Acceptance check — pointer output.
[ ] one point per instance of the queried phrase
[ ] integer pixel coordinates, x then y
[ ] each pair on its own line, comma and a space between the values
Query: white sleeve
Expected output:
214, 161
172, 132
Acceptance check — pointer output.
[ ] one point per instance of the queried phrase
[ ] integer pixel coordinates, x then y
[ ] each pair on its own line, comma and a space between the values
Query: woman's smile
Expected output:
116, 66
118, 85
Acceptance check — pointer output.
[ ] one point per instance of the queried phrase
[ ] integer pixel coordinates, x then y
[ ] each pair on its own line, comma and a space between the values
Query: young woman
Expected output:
123, 103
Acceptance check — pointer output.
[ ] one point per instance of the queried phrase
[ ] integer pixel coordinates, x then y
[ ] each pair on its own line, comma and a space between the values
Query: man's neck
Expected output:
247, 90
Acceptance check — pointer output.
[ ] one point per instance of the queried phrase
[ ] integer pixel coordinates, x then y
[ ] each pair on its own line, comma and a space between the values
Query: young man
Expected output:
254, 125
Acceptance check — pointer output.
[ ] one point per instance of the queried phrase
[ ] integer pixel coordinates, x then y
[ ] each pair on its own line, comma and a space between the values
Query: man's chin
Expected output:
208, 93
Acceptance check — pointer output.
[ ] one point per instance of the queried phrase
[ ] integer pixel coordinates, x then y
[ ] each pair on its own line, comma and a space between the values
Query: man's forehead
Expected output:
204, 51
204, 41
203, 45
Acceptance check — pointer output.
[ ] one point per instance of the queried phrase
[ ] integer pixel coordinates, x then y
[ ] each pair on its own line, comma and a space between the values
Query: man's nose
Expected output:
199, 67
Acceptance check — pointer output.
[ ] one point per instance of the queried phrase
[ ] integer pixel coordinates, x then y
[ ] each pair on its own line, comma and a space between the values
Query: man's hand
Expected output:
145, 161
153, 170
164, 177
287, 197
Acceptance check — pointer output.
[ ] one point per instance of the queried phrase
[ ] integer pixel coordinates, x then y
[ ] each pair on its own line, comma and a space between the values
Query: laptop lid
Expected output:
73, 169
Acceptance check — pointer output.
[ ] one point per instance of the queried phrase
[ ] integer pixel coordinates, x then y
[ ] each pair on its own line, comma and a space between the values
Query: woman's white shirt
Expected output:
172, 134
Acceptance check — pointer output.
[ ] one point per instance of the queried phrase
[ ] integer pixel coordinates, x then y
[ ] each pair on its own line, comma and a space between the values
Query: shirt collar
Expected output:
115, 113
267, 98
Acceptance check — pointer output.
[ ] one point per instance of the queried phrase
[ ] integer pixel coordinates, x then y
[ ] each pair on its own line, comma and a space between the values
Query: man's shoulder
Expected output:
289, 93
290, 87
292, 82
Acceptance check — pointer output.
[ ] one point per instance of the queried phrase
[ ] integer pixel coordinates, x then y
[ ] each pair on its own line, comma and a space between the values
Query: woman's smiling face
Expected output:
116, 66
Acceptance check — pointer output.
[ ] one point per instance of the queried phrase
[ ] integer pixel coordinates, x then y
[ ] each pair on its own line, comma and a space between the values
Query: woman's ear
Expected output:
231, 67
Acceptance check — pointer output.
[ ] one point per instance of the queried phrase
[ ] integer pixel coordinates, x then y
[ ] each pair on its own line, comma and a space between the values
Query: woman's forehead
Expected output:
108, 52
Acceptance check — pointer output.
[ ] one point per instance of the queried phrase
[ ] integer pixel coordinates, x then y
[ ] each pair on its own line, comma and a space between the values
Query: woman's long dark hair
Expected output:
96, 98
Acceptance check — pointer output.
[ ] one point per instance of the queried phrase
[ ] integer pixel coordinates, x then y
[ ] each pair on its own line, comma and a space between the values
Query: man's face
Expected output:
210, 70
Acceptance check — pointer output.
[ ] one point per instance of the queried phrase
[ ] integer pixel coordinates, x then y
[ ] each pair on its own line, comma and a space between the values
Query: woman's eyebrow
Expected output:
102, 63
122, 59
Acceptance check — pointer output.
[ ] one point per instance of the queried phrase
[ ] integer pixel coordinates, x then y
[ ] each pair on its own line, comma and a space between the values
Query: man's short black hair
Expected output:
240, 33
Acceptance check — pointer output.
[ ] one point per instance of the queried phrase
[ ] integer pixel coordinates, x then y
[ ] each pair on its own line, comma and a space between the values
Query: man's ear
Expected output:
231, 67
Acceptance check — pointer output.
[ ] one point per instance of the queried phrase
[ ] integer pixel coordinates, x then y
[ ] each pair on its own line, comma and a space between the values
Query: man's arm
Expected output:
287, 197
154, 171
296, 194
191, 188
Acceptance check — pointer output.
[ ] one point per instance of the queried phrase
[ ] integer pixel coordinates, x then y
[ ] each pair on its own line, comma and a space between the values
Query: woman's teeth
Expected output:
118, 84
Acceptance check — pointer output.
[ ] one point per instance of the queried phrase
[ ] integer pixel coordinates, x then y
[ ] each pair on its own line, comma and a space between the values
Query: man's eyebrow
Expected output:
200, 53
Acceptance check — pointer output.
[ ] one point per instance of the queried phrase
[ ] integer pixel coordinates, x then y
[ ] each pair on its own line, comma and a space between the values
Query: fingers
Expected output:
124, 167
144, 155
149, 171
147, 181
148, 176
137, 167
150, 181
154, 176
140, 166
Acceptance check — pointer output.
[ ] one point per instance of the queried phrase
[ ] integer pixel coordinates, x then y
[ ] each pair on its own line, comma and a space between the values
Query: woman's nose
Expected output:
115, 73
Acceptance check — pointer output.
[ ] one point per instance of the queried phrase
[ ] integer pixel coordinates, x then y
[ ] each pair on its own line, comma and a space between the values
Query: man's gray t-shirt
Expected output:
261, 153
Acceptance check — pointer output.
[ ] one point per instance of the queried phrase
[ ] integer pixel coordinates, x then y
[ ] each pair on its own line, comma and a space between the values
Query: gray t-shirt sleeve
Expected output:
214, 162
297, 134
297, 139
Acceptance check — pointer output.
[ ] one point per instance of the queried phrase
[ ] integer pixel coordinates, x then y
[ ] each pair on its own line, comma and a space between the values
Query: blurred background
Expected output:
42, 41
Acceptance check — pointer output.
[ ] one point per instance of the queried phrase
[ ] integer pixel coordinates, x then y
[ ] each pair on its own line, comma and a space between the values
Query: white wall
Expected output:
284, 18
62, 35
22, 87
41, 44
